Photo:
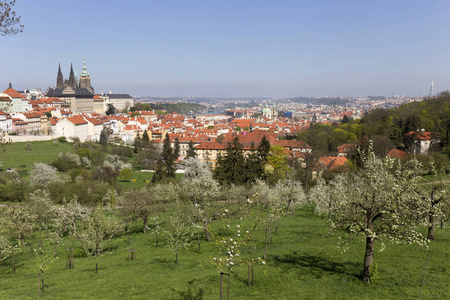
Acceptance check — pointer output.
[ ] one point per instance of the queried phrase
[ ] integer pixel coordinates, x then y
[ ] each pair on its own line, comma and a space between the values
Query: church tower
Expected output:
85, 79
72, 81
59, 79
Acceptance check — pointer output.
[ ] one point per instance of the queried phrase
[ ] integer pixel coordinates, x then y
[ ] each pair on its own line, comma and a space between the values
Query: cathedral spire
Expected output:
72, 81
59, 78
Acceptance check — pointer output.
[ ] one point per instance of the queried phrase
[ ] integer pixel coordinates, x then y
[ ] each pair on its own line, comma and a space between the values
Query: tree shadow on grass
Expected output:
193, 291
317, 265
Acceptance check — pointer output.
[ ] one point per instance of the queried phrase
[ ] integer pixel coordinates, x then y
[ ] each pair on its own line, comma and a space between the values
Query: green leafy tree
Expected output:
111, 110
277, 167
126, 175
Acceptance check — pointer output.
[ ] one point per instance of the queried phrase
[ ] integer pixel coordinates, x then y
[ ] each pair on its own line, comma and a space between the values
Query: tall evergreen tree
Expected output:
254, 168
103, 137
145, 139
168, 156
264, 150
137, 143
191, 150
230, 169
176, 149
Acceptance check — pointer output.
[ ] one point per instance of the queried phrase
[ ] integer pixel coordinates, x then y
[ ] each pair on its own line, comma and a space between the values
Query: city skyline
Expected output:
233, 49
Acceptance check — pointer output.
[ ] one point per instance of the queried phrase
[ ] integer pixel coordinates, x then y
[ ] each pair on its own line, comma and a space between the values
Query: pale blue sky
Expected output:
233, 48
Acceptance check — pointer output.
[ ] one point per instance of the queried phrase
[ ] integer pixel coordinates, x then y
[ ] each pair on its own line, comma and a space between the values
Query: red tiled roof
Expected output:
396, 153
13, 93
77, 120
94, 121
423, 135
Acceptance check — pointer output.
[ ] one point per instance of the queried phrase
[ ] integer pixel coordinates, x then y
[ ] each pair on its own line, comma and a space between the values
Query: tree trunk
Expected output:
229, 283
176, 259
42, 280
207, 235
14, 263
157, 239
431, 227
198, 240
221, 285
265, 247
249, 273
368, 258
145, 219
288, 207
96, 265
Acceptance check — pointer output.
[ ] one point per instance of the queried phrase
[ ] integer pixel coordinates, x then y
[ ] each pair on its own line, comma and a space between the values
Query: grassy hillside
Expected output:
302, 264
17, 156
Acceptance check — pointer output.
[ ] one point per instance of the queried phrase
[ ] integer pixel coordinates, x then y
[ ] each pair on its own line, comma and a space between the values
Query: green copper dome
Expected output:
84, 73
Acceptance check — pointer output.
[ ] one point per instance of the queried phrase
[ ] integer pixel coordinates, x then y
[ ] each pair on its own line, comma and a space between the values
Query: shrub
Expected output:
67, 161
84, 152
105, 174
62, 139
122, 151
126, 174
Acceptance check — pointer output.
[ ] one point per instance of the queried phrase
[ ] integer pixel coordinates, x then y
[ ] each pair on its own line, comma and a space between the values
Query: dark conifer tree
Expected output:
231, 168
254, 168
176, 149
264, 150
137, 143
168, 156
191, 150
145, 139
103, 137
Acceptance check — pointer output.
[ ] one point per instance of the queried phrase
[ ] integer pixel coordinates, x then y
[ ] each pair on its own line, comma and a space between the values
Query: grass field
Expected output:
302, 264
18, 157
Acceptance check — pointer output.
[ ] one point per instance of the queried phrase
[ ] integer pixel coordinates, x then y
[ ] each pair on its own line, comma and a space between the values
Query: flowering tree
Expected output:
435, 200
100, 225
271, 205
180, 231
66, 217
202, 191
195, 168
292, 193
140, 203
377, 201
42, 174
231, 246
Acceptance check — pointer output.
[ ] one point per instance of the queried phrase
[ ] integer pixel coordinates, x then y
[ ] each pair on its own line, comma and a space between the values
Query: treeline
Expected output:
182, 108
387, 128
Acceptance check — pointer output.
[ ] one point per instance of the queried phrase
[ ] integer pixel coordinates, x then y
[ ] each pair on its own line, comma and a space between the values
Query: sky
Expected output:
228, 48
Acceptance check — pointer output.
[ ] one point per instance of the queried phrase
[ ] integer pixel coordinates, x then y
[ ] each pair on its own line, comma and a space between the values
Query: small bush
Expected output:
62, 139
125, 175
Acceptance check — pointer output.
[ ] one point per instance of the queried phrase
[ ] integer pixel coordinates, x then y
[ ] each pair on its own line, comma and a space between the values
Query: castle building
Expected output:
76, 94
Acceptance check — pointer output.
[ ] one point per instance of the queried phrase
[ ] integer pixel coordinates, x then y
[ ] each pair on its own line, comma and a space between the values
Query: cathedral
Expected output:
73, 82
76, 93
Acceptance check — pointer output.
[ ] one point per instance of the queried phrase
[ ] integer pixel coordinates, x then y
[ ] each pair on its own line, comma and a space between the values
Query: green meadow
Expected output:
17, 156
302, 263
